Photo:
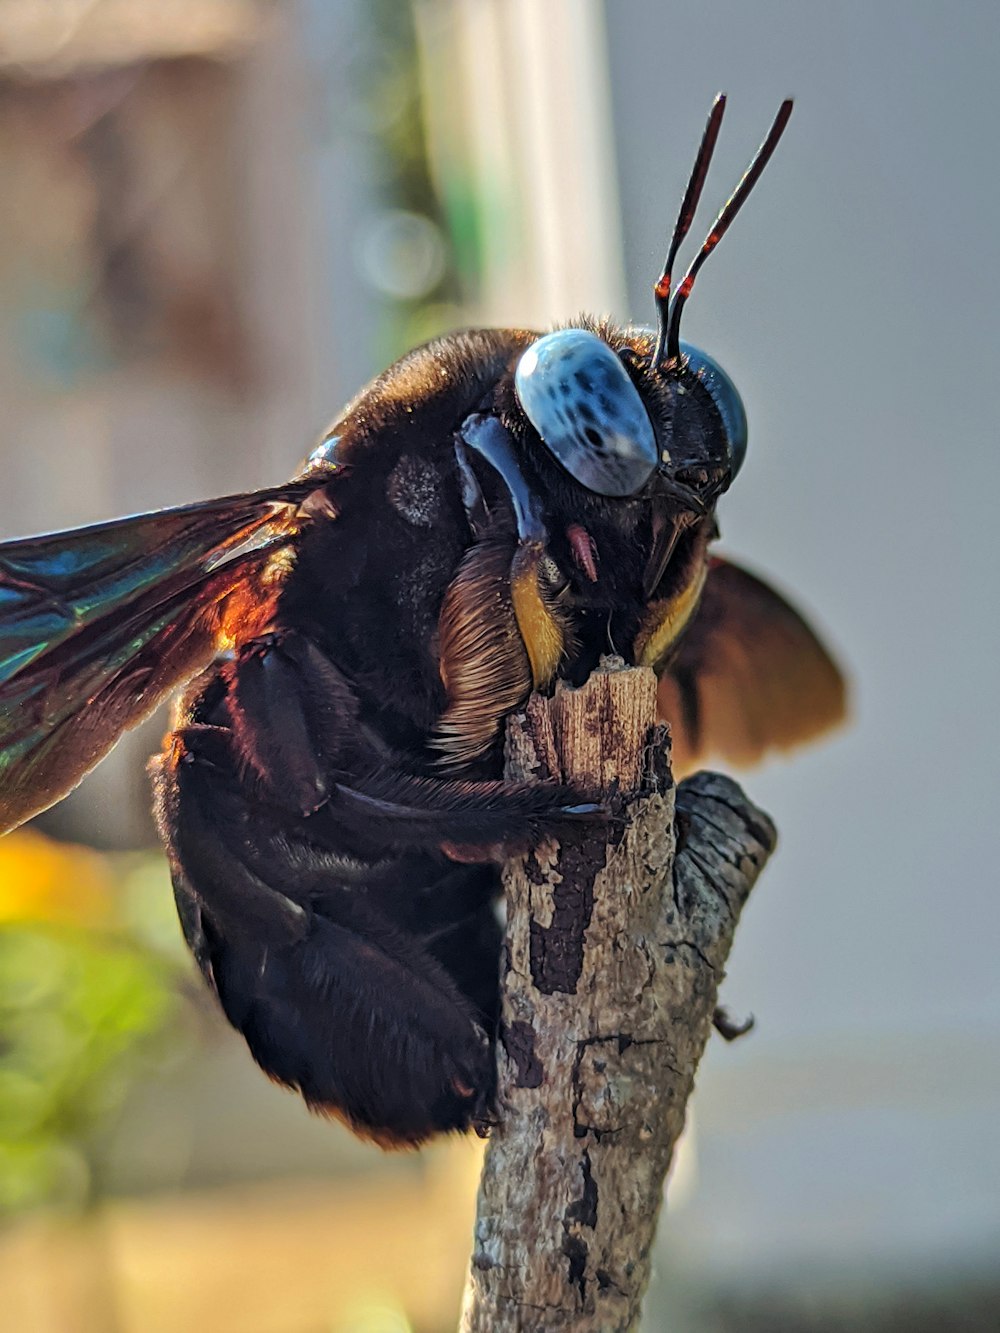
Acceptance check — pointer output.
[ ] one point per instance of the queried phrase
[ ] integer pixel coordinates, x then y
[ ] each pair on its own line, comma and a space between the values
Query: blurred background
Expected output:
218, 219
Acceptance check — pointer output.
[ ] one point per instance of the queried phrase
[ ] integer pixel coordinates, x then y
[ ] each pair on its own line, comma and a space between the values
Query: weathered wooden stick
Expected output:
616, 943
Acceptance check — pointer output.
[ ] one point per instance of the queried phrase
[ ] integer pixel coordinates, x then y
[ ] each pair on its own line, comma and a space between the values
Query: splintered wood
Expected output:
616, 944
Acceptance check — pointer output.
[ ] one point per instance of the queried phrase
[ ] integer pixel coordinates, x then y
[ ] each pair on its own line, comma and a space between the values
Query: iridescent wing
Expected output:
749, 675
98, 624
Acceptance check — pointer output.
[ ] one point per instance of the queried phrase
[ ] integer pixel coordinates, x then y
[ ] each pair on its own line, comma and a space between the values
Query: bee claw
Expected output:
585, 810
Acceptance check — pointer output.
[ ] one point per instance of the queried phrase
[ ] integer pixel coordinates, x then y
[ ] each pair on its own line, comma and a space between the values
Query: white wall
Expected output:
855, 304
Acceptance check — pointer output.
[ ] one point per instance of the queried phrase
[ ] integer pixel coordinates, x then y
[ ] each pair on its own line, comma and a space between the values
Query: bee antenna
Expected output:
661, 289
722, 223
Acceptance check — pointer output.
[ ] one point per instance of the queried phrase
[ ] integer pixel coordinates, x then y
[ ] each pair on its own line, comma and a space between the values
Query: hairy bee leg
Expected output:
295, 723
469, 952
405, 812
348, 1008
295, 719
285, 823
187, 819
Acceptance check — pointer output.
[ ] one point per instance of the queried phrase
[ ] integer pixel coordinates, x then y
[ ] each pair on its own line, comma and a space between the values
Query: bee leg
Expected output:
295, 722
456, 920
397, 810
294, 719
334, 994
311, 887
469, 950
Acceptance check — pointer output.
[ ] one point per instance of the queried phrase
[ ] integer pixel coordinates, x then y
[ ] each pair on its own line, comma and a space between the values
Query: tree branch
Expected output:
616, 944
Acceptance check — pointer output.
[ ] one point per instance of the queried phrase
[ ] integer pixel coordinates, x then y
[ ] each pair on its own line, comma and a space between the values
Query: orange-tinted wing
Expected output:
98, 624
748, 676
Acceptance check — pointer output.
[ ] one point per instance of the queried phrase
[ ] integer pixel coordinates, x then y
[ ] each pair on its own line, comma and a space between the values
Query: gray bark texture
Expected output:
616, 944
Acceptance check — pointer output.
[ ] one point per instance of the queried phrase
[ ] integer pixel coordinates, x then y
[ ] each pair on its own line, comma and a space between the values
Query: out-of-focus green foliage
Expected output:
389, 88
80, 997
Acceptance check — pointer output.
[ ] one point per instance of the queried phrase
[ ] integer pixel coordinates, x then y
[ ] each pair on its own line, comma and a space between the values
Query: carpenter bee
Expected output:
492, 513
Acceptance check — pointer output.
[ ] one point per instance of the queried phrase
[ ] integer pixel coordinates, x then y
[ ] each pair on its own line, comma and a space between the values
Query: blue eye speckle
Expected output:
577, 394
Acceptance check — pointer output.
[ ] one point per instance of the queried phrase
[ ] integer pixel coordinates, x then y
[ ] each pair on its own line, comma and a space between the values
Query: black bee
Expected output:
494, 511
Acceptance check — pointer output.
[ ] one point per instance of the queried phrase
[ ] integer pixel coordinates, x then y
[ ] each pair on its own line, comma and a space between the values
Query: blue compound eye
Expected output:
579, 398
726, 398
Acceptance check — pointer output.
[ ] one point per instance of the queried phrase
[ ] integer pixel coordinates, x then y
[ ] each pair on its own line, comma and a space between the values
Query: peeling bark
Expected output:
616, 944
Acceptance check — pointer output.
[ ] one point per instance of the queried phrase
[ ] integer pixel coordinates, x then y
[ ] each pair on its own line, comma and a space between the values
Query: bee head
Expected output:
655, 411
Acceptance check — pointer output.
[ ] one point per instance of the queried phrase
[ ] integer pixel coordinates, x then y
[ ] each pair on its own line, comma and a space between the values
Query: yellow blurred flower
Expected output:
45, 880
